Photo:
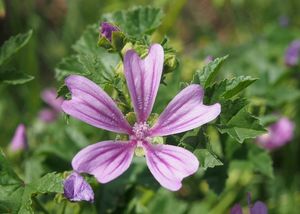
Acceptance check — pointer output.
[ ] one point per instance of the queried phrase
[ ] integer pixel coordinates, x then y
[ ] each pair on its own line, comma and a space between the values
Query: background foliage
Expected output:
42, 42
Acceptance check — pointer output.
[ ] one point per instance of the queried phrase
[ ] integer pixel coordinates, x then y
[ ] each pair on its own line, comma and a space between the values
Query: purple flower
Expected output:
258, 208
279, 134
292, 53
236, 209
49, 115
19, 140
109, 159
77, 189
107, 29
208, 59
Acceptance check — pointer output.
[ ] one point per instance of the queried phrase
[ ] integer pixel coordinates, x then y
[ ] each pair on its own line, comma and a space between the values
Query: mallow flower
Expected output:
279, 134
19, 140
51, 113
77, 189
107, 29
292, 53
109, 159
258, 207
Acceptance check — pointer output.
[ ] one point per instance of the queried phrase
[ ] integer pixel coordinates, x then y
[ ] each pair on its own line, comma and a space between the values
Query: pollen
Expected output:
140, 130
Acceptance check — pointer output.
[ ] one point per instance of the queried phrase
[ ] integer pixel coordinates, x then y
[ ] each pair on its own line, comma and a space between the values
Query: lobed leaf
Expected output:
208, 73
16, 196
136, 22
13, 45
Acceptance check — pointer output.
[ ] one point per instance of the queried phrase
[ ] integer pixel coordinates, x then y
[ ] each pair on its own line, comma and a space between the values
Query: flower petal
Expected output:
92, 105
170, 164
185, 112
105, 160
143, 78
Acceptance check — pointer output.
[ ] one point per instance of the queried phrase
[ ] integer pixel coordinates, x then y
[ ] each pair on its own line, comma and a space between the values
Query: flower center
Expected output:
140, 130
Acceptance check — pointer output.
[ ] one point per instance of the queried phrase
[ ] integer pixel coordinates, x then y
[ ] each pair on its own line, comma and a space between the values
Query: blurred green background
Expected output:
255, 33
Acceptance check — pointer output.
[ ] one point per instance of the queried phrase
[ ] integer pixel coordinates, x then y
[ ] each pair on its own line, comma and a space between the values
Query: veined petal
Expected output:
170, 164
92, 105
143, 78
105, 160
185, 112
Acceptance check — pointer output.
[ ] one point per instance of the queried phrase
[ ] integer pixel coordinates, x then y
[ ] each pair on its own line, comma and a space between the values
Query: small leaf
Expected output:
207, 159
242, 126
236, 85
261, 161
208, 73
13, 77
136, 22
13, 45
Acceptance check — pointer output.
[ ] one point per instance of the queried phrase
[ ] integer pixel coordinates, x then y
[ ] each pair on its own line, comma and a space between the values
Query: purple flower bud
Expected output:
259, 208
48, 115
77, 189
292, 53
279, 134
19, 141
107, 29
236, 209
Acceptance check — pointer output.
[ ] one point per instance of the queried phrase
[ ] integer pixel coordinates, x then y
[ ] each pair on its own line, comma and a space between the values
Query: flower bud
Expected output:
292, 53
77, 189
107, 30
19, 141
279, 134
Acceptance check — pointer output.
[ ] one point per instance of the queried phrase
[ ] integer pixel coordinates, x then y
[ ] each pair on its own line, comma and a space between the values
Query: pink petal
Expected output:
92, 105
185, 112
105, 160
143, 78
170, 164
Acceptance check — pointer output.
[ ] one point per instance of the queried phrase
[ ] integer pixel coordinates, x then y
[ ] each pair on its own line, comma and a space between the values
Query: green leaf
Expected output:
136, 22
216, 178
261, 161
67, 66
165, 202
227, 88
236, 85
13, 45
242, 126
14, 77
16, 196
197, 141
207, 159
208, 73
90, 60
